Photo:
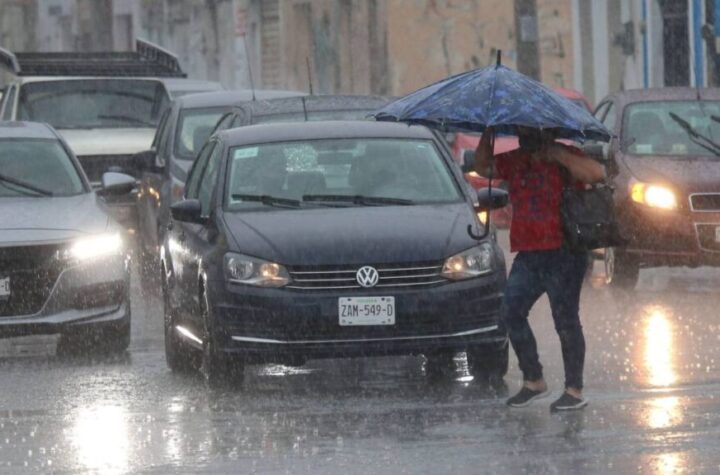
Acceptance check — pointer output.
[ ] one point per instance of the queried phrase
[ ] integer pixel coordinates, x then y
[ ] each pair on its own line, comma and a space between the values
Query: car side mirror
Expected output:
189, 211
468, 161
146, 162
491, 198
114, 183
595, 151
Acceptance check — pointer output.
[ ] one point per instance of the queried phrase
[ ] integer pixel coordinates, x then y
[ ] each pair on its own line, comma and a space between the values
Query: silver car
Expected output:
64, 267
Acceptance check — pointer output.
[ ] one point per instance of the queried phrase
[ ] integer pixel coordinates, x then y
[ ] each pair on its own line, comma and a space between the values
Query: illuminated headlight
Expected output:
96, 246
471, 263
240, 269
654, 196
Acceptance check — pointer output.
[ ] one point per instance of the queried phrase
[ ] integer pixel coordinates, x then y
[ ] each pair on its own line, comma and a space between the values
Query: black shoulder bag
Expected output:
588, 216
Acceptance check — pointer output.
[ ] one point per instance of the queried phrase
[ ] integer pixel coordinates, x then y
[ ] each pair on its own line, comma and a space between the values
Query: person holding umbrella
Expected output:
536, 174
497, 99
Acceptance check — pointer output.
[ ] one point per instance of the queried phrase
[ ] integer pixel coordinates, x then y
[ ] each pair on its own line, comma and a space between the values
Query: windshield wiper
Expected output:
126, 118
357, 200
269, 200
26, 186
695, 136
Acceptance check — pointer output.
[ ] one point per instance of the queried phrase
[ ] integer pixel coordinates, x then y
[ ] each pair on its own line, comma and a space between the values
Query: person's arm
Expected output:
581, 167
484, 159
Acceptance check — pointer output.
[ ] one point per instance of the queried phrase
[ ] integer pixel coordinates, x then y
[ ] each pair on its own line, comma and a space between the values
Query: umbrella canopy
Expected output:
496, 97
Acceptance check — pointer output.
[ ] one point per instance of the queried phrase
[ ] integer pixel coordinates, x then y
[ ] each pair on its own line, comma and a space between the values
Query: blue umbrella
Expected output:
497, 97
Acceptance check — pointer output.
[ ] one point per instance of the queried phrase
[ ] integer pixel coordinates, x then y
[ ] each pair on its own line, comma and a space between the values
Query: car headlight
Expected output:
654, 196
471, 263
241, 269
96, 246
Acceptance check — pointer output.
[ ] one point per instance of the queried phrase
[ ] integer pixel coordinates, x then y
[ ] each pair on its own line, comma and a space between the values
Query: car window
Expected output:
610, 117
101, 103
224, 122
390, 168
9, 100
349, 114
160, 130
43, 164
193, 129
208, 180
196, 172
661, 127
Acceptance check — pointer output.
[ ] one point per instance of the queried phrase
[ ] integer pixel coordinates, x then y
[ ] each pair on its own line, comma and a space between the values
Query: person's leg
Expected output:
564, 273
521, 292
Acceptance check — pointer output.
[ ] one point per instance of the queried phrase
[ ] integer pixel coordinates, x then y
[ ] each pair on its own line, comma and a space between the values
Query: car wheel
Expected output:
621, 271
217, 368
179, 356
488, 364
440, 364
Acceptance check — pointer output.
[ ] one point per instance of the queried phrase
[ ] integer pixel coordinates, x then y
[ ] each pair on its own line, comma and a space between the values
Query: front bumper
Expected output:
271, 324
670, 238
93, 294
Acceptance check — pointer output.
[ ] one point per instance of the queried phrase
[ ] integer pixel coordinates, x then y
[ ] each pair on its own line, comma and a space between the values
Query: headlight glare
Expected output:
471, 263
96, 246
654, 196
240, 269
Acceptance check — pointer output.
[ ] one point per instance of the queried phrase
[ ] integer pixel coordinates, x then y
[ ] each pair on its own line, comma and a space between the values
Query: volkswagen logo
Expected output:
367, 276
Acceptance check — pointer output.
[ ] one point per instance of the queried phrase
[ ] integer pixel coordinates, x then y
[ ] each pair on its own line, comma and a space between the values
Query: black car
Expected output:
63, 263
183, 130
300, 109
329, 239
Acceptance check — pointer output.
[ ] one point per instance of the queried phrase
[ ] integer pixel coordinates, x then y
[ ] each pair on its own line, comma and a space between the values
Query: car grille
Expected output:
705, 202
33, 271
96, 165
706, 236
344, 277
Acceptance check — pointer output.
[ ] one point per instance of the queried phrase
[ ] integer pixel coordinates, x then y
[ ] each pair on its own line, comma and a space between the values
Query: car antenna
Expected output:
249, 66
302, 99
310, 84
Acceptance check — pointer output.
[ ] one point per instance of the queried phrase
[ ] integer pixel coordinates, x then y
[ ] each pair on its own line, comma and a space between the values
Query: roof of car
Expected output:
182, 84
316, 103
314, 130
26, 130
669, 93
228, 98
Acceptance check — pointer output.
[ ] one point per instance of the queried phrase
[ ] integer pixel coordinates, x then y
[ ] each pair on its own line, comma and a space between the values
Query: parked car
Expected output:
310, 108
63, 263
666, 170
105, 105
463, 144
312, 241
183, 130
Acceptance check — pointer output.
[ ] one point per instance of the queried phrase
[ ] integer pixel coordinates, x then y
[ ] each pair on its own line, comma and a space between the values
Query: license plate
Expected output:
356, 311
4, 288
717, 233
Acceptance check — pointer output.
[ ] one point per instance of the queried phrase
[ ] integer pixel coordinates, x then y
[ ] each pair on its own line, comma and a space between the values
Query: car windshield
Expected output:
194, 128
33, 167
667, 128
93, 103
347, 114
382, 171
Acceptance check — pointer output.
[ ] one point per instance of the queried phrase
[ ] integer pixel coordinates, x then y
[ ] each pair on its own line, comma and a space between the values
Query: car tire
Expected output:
440, 364
621, 270
178, 355
217, 368
488, 364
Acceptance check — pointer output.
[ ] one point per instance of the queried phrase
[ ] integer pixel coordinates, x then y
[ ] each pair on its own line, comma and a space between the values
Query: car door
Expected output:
150, 196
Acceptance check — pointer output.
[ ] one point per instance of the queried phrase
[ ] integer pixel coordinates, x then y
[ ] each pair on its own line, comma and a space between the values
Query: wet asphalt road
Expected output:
652, 375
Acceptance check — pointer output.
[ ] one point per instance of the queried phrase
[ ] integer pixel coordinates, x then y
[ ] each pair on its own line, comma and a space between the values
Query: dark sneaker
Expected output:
568, 402
526, 396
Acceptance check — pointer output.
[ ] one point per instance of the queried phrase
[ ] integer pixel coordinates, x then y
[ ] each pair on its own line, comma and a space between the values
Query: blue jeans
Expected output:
560, 274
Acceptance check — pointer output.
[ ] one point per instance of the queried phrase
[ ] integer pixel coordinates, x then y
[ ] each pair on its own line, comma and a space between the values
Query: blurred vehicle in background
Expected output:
162, 170
105, 105
463, 144
666, 171
330, 239
63, 263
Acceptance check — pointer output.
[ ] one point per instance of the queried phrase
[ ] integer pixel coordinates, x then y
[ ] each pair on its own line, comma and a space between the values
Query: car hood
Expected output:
693, 175
108, 141
37, 220
358, 235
